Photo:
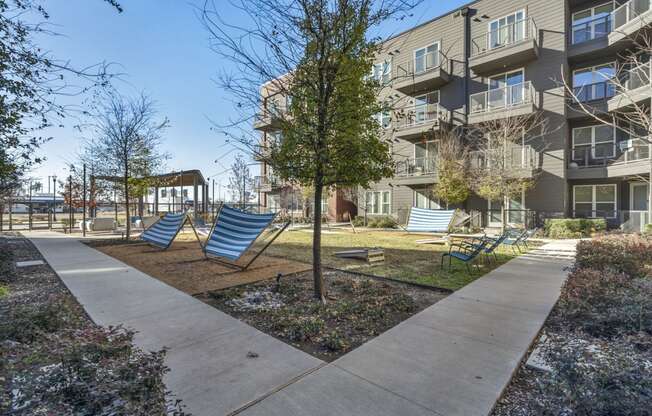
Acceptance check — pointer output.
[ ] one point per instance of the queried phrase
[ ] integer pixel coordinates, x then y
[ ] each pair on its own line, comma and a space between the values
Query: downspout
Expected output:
466, 14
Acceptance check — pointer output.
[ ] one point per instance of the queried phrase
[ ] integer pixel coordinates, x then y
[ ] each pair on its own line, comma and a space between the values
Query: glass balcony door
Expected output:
592, 23
507, 30
593, 83
506, 89
426, 58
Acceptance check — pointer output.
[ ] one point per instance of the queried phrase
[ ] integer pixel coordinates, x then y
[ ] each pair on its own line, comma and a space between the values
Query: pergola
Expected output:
182, 179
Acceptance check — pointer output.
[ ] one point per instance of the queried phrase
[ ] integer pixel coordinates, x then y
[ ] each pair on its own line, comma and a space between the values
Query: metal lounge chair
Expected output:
233, 234
492, 243
161, 234
514, 239
463, 253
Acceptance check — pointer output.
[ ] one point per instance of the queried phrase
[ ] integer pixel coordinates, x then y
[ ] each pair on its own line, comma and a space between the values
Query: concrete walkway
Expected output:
210, 369
454, 358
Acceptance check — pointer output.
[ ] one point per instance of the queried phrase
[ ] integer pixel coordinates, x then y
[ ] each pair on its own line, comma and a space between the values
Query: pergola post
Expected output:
195, 194
156, 200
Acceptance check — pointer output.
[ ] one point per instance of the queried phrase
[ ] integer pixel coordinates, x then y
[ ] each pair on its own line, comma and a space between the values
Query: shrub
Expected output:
298, 328
26, 323
574, 227
594, 379
629, 254
358, 221
3, 291
334, 341
384, 221
606, 304
648, 229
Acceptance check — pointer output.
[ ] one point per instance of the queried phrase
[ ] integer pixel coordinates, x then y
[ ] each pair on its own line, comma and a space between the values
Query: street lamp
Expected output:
54, 197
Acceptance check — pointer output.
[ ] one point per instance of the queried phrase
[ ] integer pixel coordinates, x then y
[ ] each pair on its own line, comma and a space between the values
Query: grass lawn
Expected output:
404, 258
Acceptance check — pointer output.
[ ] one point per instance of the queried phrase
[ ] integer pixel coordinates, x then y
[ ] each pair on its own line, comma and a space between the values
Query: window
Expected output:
382, 72
591, 23
174, 193
185, 193
506, 89
426, 58
594, 142
594, 201
384, 119
378, 202
593, 83
164, 193
324, 204
424, 198
425, 107
507, 30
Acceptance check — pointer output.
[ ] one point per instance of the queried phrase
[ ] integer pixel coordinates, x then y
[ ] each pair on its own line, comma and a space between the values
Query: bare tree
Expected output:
630, 86
126, 141
503, 162
453, 180
309, 61
241, 182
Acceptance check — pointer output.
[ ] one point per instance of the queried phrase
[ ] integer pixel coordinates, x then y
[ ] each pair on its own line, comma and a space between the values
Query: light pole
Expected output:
54, 197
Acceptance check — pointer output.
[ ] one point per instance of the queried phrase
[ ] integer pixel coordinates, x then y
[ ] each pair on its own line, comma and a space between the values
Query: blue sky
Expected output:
163, 49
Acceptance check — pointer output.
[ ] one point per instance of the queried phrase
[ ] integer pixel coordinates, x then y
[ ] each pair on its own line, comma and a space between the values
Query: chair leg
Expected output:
495, 257
441, 265
468, 269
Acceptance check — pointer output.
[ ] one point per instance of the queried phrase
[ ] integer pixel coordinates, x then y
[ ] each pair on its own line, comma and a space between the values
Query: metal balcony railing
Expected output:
416, 167
596, 28
507, 35
637, 77
421, 65
595, 91
426, 114
629, 11
266, 181
502, 98
514, 157
607, 154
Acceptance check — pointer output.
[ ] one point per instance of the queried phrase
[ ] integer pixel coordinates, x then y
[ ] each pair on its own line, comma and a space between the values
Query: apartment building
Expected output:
494, 59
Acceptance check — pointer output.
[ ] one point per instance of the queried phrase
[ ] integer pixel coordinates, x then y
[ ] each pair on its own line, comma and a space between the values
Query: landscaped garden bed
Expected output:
56, 361
357, 309
597, 343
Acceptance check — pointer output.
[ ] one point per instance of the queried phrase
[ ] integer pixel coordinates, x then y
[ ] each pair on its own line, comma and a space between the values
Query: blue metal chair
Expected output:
233, 234
492, 243
464, 253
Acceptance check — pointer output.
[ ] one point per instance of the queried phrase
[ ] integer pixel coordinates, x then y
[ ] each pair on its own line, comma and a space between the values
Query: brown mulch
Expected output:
184, 267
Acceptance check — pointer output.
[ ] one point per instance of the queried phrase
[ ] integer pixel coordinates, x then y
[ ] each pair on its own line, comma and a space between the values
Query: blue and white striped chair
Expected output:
423, 220
233, 234
162, 232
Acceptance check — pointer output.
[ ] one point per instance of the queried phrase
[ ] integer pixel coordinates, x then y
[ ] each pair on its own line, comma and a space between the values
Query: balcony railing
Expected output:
416, 167
421, 65
629, 11
637, 77
596, 28
507, 35
502, 98
516, 157
608, 154
426, 114
266, 181
595, 91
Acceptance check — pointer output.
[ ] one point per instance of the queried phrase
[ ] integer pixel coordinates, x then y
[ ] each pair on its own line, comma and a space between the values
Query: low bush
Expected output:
594, 379
629, 254
384, 221
358, 221
605, 304
573, 227
26, 323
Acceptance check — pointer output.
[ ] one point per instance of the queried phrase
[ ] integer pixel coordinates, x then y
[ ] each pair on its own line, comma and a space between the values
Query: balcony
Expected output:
595, 94
510, 45
635, 87
508, 101
416, 171
609, 161
629, 18
520, 160
427, 72
419, 120
268, 119
589, 38
261, 152
266, 183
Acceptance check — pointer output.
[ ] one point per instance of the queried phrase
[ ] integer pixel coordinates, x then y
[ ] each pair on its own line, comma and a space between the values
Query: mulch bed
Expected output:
358, 309
184, 267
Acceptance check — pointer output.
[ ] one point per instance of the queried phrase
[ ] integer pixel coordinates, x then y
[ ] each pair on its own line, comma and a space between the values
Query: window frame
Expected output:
592, 19
593, 143
614, 66
425, 64
594, 201
490, 47
369, 203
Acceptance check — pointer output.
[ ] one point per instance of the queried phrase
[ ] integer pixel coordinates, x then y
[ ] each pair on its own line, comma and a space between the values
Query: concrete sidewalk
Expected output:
210, 369
453, 358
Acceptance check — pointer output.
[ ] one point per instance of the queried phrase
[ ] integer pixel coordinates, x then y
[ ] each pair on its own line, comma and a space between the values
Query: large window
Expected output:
594, 83
507, 30
506, 89
424, 198
384, 119
594, 201
378, 202
594, 142
591, 23
382, 72
426, 58
425, 107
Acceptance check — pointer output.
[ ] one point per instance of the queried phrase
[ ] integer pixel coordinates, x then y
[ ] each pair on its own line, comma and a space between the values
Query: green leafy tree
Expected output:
314, 58
453, 181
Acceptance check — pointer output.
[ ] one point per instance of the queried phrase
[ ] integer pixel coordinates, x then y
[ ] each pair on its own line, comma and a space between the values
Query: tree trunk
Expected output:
503, 214
128, 222
316, 246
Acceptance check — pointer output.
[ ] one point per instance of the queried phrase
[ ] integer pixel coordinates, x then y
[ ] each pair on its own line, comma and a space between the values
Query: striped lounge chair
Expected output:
162, 232
429, 220
233, 234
